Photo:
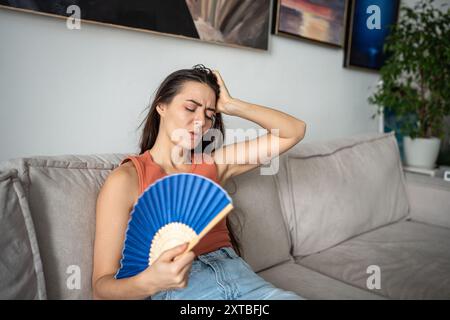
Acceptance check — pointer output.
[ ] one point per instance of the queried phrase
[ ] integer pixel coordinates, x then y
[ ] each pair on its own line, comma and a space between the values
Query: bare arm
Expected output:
114, 204
284, 131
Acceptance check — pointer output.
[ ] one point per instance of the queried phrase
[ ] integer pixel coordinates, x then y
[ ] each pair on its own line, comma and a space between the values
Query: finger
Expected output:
185, 276
184, 259
170, 254
219, 78
183, 253
186, 270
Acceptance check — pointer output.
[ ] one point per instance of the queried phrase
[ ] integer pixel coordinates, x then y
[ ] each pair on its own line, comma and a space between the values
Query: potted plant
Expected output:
415, 80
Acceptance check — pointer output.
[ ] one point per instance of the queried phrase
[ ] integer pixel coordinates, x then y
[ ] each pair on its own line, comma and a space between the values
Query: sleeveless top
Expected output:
149, 171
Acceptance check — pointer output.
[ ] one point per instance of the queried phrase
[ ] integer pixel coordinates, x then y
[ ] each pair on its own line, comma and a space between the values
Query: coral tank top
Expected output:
148, 172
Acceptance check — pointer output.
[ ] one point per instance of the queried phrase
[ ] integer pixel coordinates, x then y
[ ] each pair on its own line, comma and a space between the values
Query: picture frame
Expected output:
321, 22
364, 46
235, 23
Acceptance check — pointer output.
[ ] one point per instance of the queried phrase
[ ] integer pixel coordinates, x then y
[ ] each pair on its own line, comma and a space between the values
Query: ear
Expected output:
161, 109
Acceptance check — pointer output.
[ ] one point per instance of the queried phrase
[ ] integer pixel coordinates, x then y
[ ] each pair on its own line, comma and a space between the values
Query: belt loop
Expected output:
230, 252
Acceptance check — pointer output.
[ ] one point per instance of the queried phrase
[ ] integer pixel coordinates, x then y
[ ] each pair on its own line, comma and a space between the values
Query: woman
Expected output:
187, 106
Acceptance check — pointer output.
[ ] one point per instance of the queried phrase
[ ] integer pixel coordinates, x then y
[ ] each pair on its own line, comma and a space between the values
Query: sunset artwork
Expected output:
318, 20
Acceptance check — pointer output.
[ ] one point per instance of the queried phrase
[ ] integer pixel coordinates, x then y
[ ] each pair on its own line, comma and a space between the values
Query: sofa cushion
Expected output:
311, 284
413, 260
62, 193
429, 199
343, 188
21, 275
257, 219
282, 179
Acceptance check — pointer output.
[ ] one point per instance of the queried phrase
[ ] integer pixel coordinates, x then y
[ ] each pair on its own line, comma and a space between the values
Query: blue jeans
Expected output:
223, 275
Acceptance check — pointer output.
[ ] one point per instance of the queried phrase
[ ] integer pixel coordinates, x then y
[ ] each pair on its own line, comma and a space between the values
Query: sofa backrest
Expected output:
341, 188
257, 219
21, 275
62, 193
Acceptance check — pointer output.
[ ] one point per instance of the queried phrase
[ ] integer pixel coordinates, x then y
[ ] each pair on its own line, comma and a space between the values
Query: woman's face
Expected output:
190, 114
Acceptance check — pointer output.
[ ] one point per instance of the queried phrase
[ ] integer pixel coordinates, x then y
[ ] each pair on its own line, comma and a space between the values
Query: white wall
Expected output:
84, 91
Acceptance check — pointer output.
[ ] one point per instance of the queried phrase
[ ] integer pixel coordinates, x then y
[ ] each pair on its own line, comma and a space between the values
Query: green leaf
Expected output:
416, 76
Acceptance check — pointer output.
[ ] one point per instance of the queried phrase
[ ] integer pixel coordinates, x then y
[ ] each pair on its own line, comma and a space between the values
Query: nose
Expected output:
199, 122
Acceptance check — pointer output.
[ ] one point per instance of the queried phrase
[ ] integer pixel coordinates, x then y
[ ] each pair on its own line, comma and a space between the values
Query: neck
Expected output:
166, 153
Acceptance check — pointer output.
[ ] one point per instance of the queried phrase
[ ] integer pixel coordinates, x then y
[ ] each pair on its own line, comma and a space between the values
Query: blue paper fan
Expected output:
177, 208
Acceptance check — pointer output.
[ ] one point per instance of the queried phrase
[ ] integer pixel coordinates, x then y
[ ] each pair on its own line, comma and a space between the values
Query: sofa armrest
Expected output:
429, 199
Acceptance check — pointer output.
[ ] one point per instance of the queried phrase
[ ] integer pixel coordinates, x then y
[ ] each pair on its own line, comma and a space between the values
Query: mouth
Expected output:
195, 136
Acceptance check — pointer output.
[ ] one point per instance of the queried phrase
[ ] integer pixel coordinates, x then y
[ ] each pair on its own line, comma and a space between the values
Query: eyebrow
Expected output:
199, 104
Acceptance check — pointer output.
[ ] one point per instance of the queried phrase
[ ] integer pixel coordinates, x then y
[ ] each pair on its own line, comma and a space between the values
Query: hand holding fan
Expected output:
175, 209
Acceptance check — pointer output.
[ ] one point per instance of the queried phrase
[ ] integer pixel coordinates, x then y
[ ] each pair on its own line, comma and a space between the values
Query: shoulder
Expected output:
124, 173
126, 169
122, 183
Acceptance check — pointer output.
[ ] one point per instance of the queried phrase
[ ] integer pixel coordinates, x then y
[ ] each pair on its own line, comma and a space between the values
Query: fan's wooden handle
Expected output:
210, 225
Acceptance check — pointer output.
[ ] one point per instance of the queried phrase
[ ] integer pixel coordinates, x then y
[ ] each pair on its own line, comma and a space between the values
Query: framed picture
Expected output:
368, 26
317, 20
241, 23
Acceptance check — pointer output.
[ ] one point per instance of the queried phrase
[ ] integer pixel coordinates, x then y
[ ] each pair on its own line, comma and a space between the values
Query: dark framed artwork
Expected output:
368, 27
241, 23
317, 20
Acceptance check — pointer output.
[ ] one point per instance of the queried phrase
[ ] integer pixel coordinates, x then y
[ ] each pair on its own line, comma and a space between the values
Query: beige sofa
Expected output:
336, 220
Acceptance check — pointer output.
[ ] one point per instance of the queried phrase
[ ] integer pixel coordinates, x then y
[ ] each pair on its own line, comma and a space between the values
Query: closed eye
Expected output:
210, 117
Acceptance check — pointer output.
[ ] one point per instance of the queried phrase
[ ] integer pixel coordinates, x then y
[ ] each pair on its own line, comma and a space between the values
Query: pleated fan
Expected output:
175, 209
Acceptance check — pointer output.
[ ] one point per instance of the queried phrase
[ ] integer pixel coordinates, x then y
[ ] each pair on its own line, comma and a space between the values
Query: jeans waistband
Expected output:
225, 252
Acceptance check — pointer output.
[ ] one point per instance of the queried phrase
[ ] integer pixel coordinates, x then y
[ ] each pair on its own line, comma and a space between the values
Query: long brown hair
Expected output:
167, 90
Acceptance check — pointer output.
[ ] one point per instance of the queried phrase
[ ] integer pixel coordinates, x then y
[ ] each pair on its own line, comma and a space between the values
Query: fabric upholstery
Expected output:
422, 192
62, 193
344, 188
21, 274
257, 220
413, 260
311, 284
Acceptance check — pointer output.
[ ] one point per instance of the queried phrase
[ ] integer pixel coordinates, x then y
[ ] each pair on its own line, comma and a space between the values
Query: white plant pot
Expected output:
421, 152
